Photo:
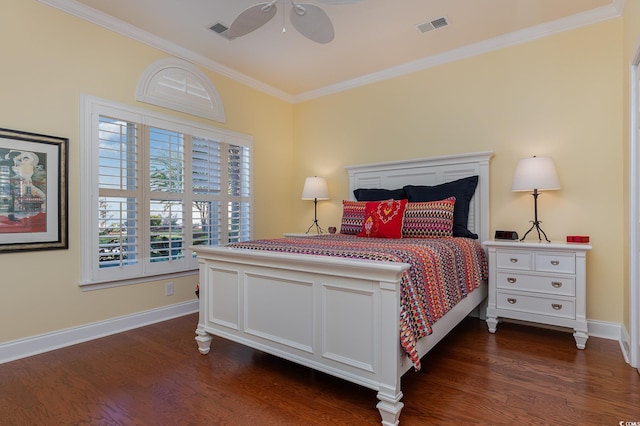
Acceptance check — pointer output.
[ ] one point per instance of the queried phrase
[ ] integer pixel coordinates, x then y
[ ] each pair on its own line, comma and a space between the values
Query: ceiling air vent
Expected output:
220, 29
433, 24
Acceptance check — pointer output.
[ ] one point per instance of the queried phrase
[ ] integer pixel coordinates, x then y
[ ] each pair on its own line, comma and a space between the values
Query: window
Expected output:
152, 187
178, 85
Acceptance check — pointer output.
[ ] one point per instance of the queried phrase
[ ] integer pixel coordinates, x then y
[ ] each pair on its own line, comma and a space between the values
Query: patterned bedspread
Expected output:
443, 272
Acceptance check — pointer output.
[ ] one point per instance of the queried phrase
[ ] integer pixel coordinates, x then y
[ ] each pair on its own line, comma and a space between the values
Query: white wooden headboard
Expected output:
432, 171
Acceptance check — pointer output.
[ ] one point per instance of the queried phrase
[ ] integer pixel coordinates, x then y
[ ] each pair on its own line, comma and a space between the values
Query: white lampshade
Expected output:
535, 173
315, 188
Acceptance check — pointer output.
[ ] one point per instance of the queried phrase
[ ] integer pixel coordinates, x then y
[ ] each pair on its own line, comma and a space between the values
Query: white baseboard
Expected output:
604, 330
601, 329
612, 331
23, 348
625, 344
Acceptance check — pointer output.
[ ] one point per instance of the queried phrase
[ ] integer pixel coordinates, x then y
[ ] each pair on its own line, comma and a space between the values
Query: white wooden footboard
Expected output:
334, 315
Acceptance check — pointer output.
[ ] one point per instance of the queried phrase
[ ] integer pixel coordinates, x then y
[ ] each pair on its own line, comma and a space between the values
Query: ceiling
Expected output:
373, 38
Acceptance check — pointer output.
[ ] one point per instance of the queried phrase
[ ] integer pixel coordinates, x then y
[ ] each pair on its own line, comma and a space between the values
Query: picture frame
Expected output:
33, 191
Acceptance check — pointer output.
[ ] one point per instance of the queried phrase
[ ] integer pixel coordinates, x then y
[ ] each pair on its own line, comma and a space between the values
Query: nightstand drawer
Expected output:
551, 307
514, 260
547, 284
555, 262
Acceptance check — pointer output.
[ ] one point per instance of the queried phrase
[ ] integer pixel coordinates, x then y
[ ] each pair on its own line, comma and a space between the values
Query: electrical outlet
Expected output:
168, 289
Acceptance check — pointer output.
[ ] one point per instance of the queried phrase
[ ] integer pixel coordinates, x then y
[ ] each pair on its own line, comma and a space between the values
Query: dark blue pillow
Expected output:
379, 194
463, 189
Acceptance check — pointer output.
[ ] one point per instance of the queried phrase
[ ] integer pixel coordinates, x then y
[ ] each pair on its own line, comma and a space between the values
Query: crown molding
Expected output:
614, 10
89, 14
611, 11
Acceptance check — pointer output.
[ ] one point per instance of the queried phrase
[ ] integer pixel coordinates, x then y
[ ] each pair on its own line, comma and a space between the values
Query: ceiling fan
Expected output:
310, 20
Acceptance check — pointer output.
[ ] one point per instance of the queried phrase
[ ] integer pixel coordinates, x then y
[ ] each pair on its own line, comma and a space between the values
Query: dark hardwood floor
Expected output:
155, 376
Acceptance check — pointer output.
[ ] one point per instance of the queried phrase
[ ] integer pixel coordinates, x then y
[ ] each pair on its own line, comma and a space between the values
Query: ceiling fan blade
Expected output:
251, 19
312, 22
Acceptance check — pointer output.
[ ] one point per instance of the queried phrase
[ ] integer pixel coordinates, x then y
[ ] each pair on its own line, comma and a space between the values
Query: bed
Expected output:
338, 315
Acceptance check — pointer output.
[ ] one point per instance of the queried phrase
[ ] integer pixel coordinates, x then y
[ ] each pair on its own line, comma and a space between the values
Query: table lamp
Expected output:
535, 174
315, 188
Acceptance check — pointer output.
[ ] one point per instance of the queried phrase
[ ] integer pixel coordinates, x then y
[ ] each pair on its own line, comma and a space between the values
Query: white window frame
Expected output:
92, 276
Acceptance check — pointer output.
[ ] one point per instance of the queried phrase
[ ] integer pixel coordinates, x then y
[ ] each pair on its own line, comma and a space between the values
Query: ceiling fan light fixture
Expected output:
299, 9
310, 20
266, 8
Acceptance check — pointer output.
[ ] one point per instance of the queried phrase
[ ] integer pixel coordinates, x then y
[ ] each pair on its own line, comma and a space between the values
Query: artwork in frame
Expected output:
33, 191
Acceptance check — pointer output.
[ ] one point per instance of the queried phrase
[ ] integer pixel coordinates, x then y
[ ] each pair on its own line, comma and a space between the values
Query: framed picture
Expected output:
33, 191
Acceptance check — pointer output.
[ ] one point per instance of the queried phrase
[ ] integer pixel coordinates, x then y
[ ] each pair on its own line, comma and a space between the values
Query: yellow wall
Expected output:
49, 59
560, 96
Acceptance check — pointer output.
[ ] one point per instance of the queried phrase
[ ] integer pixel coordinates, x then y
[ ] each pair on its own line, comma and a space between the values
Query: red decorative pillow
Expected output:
383, 219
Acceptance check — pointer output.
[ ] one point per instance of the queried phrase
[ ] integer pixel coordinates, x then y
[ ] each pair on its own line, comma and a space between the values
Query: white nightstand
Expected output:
538, 282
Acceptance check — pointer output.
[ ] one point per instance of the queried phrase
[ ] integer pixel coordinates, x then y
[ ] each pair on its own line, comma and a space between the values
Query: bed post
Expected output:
389, 393
202, 337
204, 340
390, 408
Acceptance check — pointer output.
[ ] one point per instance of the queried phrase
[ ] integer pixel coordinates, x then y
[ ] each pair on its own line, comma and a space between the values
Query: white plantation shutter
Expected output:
206, 166
240, 190
167, 243
161, 186
206, 178
118, 209
117, 230
118, 154
166, 160
207, 223
166, 231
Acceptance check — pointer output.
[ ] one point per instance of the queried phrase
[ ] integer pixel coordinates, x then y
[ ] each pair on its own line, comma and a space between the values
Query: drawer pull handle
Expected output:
556, 306
511, 300
556, 284
511, 280
555, 262
514, 260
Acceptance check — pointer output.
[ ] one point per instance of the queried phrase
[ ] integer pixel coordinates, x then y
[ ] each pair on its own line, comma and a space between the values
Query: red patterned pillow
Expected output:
429, 219
383, 219
352, 216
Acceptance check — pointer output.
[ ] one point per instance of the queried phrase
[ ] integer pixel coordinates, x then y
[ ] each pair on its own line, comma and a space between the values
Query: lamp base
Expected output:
536, 226
535, 221
318, 228
315, 218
